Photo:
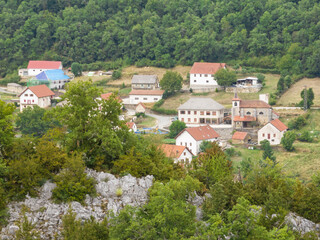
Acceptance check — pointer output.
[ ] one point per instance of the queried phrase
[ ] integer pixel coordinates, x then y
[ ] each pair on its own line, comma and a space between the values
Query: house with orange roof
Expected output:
180, 154
202, 74
273, 132
36, 67
193, 137
36, 95
145, 96
250, 113
132, 126
241, 138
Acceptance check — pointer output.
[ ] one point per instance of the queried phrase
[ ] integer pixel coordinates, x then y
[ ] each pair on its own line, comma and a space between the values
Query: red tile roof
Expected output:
40, 91
201, 133
44, 65
173, 151
106, 96
254, 104
130, 124
244, 119
141, 105
146, 92
279, 125
206, 68
239, 135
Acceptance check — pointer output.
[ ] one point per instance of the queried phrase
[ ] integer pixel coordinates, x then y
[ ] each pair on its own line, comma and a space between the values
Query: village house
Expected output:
140, 108
36, 95
56, 79
201, 111
132, 126
251, 113
180, 154
145, 96
273, 132
36, 67
193, 137
241, 138
202, 74
148, 82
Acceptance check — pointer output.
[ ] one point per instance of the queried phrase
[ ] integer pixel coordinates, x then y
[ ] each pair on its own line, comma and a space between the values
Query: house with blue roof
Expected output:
54, 79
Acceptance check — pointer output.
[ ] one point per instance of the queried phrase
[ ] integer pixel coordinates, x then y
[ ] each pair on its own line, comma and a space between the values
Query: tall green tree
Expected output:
76, 69
267, 151
225, 77
33, 121
6, 126
310, 98
171, 82
287, 140
176, 127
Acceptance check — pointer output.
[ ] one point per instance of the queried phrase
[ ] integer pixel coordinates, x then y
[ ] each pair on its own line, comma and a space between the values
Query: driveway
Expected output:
163, 121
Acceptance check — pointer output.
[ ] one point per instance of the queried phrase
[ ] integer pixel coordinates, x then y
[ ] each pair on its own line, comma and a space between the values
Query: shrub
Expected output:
13, 78
116, 74
297, 123
119, 192
287, 140
72, 182
305, 137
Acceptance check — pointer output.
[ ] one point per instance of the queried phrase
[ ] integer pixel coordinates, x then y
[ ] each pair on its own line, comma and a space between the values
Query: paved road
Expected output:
163, 121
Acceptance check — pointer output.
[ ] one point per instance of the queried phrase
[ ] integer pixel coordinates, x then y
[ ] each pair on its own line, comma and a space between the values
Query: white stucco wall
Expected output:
29, 99
35, 71
275, 134
58, 84
185, 155
202, 79
194, 116
135, 99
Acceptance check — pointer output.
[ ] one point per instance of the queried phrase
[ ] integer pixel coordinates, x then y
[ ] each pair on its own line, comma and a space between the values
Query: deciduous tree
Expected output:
225, 77
171, 82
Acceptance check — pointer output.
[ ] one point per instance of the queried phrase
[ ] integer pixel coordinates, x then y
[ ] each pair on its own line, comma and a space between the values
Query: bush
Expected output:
287, 141
298, 122
305, 137
116, 74
13, 78
72, 182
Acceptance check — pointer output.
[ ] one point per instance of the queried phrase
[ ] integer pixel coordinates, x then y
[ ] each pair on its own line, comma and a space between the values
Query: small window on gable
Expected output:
184, 153
26, 95
274, 135
235, 104
31, 95
248, 113
261, 113
263, 135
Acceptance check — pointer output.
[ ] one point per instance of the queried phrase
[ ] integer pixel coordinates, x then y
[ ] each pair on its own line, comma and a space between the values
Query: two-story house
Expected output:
36, 67
273, 132
202, 74
36, 95
147, 82
193, 137
180, 154
249, 113
55, 78
201, 111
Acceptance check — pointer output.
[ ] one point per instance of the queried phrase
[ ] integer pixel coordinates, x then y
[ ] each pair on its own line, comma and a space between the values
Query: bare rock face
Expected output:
300, 224
112, 195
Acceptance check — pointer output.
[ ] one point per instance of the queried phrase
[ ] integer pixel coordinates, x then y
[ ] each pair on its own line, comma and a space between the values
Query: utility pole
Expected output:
305, 98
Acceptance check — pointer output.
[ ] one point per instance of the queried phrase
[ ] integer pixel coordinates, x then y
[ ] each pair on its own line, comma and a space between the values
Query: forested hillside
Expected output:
273, 34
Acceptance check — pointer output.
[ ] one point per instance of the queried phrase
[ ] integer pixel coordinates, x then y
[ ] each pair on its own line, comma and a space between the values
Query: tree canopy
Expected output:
171, 82
225, 77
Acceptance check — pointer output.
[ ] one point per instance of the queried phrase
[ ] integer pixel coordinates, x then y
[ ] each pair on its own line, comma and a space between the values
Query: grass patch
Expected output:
147, 121
292, 95
169, 141
124, 91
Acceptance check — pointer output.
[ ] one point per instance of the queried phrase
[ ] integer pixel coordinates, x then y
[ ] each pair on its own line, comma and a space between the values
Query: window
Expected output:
26, 95
207, 81
189, 119
195, 112
182, 112
156, 99
182, 119
200, 75
206, 75
214, 113
189, 112
268, 135
235, 104
24, 100
136, 98
31, 95
145, 98
187, 161
184, 154
263, 135
190, 144
208, 120
261, 113
201, 112
186, 144
248, 113
208, 113
32, 100
195, 120
195, 81
274, 135
181, 143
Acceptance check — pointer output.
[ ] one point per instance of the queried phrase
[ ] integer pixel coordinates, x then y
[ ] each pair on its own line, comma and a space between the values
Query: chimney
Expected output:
264, 97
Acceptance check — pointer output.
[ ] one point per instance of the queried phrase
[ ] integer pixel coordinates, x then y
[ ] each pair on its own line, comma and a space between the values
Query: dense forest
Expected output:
271, 34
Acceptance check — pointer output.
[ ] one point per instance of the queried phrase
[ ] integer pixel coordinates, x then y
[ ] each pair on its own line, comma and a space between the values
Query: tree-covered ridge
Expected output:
279, 34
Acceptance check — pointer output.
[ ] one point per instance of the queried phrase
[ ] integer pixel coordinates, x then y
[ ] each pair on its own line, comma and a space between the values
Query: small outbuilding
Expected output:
241, 138
140, 108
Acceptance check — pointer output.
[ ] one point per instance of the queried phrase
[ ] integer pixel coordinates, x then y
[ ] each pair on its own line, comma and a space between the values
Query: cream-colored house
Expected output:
140, 108
193, 137
36, 95
199, 111
180, 154
147, 82
145, 96
273, 132
202, 74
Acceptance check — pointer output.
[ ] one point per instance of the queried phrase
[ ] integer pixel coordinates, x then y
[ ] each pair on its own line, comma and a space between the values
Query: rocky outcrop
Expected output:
112, 195
300, 224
